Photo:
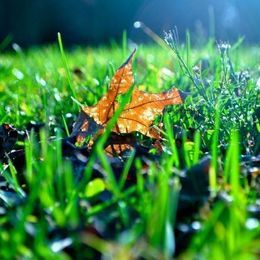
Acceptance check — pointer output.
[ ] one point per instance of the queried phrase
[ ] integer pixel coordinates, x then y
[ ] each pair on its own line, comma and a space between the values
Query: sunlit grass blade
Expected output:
126, 170
65, 125
232, 164
65, 62
214, 153
110, 176
170, 138
197, 143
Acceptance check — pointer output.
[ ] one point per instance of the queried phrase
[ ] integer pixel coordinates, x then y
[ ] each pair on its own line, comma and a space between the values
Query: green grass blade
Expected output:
66, 65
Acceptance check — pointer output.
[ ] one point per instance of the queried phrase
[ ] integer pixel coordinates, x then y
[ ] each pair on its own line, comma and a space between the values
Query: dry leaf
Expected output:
138, 115
120, 83
143, 108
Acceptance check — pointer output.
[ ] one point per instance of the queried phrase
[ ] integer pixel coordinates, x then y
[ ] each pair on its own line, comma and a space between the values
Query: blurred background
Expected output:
91, 22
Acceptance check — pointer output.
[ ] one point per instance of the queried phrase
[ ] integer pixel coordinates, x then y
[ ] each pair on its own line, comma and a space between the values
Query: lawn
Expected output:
195, 193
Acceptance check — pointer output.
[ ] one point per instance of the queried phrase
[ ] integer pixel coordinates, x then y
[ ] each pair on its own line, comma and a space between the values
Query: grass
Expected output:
47, 212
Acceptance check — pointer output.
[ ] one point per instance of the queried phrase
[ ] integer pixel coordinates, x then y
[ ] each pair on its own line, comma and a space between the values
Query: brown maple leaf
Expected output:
120, 84
140, 113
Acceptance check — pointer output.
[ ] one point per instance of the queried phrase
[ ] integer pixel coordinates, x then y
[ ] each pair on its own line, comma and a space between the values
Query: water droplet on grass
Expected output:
137, 24
18, 74
57, 246
252, 223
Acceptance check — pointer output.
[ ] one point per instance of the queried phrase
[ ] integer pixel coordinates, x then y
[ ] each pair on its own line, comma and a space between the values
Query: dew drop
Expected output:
137, 24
